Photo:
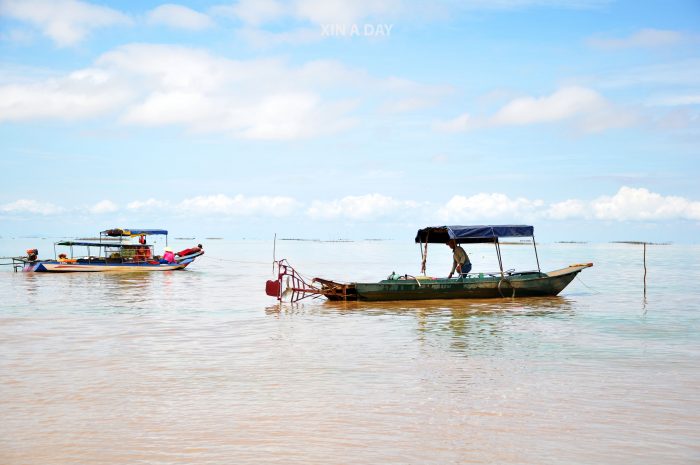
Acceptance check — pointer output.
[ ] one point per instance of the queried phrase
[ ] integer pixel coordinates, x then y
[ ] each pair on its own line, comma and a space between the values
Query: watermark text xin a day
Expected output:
356, 30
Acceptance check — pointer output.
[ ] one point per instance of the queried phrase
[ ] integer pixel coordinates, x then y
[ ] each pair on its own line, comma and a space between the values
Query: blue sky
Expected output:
351, 119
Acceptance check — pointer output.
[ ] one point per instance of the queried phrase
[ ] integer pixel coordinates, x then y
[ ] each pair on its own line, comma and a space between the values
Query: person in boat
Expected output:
32, 254
63, 258
168, 256
143, 253
460, 259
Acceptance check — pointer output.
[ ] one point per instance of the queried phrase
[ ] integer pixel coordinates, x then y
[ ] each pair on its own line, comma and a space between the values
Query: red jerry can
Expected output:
272, 288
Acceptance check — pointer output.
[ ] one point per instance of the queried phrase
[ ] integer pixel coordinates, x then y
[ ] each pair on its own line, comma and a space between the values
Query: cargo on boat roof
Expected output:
98, 244
118, 232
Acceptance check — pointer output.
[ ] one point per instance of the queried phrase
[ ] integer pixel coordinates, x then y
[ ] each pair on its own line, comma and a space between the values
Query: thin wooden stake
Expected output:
274, 253
645, 269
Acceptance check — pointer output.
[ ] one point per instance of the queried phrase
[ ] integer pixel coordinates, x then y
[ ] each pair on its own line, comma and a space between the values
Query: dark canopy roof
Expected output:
134, 232
472, 234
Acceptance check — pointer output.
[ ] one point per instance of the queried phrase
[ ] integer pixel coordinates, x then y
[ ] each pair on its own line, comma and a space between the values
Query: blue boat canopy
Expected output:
118, 232
98, 244
472, 234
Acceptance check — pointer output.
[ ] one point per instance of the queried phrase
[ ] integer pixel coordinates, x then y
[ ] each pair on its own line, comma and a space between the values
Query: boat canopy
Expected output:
118, 232
472, 234
97, 244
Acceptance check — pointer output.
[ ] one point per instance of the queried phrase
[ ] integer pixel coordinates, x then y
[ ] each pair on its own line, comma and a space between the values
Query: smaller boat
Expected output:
504, 283
112, 251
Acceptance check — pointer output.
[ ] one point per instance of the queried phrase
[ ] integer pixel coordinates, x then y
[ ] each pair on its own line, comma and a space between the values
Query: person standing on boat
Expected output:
460, 259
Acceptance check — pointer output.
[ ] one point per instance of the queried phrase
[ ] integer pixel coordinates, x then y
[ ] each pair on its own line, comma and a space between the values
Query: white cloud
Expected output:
150, 204
180, 17
294, 115
585, 108
678, 119
627, 204
562, 104
78, 95
641, 204
407, 104
253, 11
676, 100
677, 73
157, 85
360, 207
463, 122
238, 205
345, 11
566, 209
520, 4
487, 206
644, 38
262, 38
17, 36
66, 22
31, 206
104, 206
258, 12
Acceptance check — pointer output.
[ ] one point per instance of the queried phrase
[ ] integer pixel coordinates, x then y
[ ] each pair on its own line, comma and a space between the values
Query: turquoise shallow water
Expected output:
201, 366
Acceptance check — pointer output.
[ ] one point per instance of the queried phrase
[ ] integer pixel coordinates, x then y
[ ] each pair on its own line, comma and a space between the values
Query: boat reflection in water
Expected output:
464, 326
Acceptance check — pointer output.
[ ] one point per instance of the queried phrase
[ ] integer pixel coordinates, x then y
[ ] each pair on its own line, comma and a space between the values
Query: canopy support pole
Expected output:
534, 244
498, 253
424, 254
422, 261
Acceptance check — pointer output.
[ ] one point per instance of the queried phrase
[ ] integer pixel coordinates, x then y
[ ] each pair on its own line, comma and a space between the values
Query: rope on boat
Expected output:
417, 280
509, 283
228, 260
589, 287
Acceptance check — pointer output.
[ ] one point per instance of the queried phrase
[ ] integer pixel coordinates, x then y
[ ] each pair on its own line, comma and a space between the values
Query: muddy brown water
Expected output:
202, 367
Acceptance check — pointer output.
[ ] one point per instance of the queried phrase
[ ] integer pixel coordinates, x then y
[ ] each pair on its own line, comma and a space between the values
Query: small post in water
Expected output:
274, 253
645, 269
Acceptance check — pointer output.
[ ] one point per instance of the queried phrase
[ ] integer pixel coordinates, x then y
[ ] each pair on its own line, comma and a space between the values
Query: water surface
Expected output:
202, 367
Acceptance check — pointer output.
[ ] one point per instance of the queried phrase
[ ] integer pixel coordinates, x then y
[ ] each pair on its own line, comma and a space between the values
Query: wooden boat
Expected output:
466, 286
113, 252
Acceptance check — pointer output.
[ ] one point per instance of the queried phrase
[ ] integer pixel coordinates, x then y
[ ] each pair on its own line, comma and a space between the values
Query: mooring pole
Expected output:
274, 253
645, 269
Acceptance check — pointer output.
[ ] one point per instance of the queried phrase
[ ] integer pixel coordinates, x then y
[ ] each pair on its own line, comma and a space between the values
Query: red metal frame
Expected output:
295, 283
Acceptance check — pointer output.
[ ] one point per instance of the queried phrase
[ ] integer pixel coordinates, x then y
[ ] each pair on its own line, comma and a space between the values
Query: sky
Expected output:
360, 119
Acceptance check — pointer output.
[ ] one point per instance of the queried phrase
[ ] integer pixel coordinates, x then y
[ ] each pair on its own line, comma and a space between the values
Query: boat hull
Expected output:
59, 267
515, 285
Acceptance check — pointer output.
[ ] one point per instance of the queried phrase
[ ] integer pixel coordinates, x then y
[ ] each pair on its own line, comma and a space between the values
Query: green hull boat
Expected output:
525, 284
467, 286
